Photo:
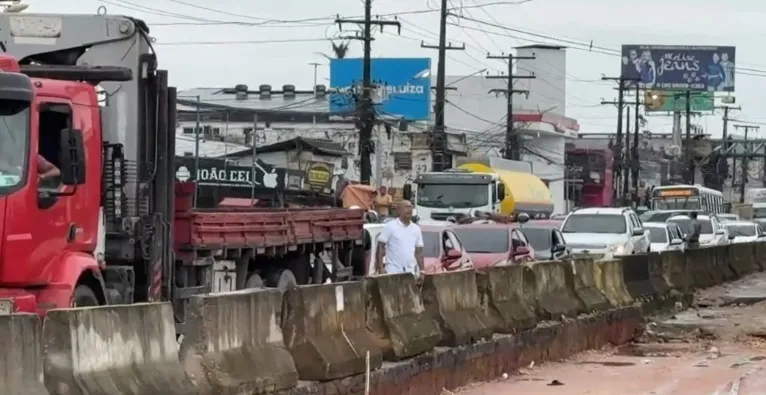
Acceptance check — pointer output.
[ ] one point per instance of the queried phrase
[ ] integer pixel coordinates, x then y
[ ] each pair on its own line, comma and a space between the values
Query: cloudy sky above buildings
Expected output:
243, 41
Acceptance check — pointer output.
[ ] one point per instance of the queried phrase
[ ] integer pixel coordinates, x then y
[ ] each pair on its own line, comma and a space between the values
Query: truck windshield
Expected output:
453, 195
14, 135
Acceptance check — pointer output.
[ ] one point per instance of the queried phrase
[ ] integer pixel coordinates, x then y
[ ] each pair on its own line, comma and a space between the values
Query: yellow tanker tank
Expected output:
524, 192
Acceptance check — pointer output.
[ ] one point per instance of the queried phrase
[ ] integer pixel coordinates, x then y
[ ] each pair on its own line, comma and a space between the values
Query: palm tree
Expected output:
339, 49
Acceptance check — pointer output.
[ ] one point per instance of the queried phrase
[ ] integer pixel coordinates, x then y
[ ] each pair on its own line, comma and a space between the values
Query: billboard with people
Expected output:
678, 67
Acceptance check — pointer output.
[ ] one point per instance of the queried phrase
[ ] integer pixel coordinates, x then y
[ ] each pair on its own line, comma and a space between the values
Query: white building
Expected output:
540, 116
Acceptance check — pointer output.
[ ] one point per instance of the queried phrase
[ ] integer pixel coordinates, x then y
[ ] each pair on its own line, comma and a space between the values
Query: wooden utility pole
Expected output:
619, 163
745, 159
512, 140
438, 141
365, 109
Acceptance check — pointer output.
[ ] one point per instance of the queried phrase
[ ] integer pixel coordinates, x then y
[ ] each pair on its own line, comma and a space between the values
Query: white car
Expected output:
605, 232
745, 232
713, 231
729, 217
665, 236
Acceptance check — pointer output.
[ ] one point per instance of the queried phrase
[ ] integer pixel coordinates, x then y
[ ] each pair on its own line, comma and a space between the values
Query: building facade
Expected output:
266, 117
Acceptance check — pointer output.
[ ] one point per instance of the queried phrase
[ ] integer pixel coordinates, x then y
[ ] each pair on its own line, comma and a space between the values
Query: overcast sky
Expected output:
198, 53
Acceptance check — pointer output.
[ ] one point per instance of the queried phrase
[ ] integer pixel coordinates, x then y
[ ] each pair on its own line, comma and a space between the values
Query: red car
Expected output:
443, 250
495, 244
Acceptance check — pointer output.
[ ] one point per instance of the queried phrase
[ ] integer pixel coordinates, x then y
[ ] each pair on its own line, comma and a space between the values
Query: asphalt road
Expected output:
716, 348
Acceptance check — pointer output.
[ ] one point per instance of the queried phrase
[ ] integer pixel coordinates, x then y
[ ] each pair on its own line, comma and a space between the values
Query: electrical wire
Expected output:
243, 42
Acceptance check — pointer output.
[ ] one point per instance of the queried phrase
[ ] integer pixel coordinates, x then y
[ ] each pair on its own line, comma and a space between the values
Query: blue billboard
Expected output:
678, 67
401, 86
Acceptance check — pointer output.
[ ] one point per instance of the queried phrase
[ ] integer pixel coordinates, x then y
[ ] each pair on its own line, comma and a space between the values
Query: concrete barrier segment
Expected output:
585, 272
452, 300
324, 329
503, 297
611, 283
233, 344
698, 264
722, 269
635, 270
396, 317
760, 255
21, 355
124, 349
675, 271
554, 297
742, 258
656, 274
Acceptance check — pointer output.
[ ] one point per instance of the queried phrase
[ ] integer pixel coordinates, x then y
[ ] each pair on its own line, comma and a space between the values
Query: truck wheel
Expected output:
282, 279
84, 297
254, 280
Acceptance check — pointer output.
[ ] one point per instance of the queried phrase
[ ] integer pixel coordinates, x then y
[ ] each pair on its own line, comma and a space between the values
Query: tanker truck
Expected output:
492, 185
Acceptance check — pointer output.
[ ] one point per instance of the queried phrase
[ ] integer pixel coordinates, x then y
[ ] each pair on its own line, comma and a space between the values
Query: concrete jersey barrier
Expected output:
124, 349
610, 282
324, 329
21, 359
452, 300
396, 317
699, 266
505, 293
233, 343
635, 270
555, 297
585, 272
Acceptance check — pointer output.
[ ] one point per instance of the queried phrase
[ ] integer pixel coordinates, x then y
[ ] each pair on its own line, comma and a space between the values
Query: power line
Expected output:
243, 42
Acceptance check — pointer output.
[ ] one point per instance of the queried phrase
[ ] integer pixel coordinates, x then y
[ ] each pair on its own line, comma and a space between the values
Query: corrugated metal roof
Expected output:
220, 97
327, 147
207, 148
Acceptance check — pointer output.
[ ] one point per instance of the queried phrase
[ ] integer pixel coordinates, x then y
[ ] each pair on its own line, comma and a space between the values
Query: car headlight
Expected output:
617, 249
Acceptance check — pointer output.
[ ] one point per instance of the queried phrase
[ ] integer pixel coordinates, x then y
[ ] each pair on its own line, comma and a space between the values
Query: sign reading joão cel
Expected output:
216, 172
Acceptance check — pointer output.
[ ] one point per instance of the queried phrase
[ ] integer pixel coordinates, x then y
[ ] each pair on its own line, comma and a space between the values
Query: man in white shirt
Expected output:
401, 243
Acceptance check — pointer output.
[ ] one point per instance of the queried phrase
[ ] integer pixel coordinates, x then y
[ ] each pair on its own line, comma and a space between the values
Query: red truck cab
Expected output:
48, 228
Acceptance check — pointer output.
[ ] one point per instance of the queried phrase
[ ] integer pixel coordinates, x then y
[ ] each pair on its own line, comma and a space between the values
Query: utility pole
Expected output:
745, 158
438, 140
619, 163
626, 174
365, 107
635, 160
512, 140
197, 131
688, 141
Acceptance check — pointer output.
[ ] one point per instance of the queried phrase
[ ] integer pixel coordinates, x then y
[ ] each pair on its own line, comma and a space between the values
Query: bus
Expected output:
688, 197
591, 170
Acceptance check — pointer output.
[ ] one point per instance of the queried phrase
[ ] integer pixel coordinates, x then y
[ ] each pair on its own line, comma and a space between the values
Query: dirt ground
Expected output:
717, 347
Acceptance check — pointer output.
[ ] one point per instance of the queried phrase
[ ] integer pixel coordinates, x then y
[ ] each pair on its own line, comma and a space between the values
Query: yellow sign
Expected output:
319, 175
676, 192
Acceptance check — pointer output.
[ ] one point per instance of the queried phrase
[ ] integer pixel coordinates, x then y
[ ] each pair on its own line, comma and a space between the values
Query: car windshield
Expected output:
686, 225
741, 230
595, 223
657, 234
539, 238
14, 134
452, 195
431, 244
487, 240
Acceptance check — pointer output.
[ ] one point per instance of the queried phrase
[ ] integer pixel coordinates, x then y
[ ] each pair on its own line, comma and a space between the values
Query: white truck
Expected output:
455, 193
492, 184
